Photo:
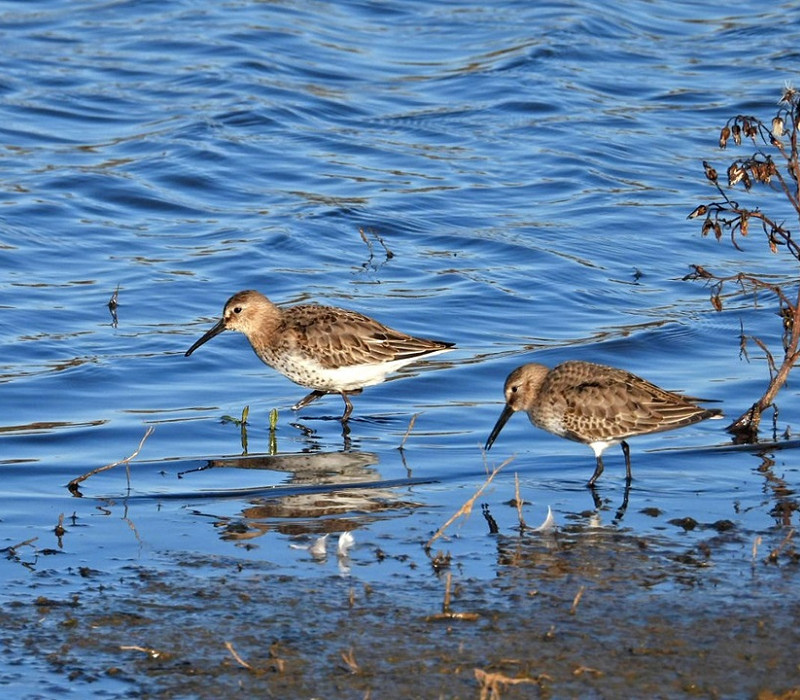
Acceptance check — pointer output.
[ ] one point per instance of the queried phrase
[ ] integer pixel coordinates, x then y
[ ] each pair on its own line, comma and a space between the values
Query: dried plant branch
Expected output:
519, 503
447, 613
408, 430
447, 588
368, 243
775, 553
239, 660
574, 608
12, 552
756, 544
491, 682
152, 653
113, 303
349, 658
73, 485
466, 509
783, 176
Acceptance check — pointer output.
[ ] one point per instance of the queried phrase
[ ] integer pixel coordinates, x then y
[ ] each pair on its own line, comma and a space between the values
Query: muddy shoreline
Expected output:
582, 613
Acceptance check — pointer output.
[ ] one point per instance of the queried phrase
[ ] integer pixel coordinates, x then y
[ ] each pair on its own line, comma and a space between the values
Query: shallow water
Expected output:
530, 168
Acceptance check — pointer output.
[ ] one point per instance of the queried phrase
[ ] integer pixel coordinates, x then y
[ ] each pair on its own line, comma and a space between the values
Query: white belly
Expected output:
309, 373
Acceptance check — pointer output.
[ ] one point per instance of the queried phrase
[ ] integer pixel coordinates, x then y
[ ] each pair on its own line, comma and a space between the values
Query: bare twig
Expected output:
447, 587
775, 553
368, 243
576, 600
466, 509
273, 439
587, 670
756, 544
447, 613
239, 660
389, 253
12, 549
112, 307
349, 658
408, 430
519, 502
152, 653
490, 683
73, 485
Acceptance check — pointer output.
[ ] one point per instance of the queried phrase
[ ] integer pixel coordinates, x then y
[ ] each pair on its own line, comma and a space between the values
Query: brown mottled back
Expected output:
596, 405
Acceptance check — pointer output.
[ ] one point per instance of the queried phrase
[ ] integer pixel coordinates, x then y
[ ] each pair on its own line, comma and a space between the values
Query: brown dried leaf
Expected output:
699, 211
735, 174
711, 174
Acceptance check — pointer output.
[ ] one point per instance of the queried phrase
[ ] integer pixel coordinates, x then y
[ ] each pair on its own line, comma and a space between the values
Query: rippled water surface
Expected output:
513, 177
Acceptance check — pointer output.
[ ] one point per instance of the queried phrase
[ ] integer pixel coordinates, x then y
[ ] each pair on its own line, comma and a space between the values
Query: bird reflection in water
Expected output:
327, 492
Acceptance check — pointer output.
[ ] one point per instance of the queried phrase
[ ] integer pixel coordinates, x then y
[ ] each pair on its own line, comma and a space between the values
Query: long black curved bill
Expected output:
216, 330
501, 421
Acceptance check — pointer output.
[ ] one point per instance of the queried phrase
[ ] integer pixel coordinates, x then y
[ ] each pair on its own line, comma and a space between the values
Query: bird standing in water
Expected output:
323, 348
595, 404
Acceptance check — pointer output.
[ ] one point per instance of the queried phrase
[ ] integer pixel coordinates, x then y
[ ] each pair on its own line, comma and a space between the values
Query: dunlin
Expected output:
323, 348
594, 404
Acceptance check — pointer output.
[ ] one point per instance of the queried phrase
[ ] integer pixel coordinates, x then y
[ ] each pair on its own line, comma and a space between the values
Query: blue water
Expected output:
530, 166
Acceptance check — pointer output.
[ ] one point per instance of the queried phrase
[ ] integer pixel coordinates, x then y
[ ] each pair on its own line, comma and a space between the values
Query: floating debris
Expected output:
112, 307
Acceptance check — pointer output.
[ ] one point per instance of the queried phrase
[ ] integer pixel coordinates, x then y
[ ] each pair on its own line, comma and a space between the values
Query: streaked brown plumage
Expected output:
324, 348
595, 404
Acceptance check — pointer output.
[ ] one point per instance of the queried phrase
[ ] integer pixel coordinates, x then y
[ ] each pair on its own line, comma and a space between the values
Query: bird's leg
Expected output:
627, 452
313, 396
597, 472
348, 407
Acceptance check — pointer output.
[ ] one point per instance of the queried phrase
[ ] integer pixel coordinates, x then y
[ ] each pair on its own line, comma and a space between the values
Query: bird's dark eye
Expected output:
237, 309
514, 389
